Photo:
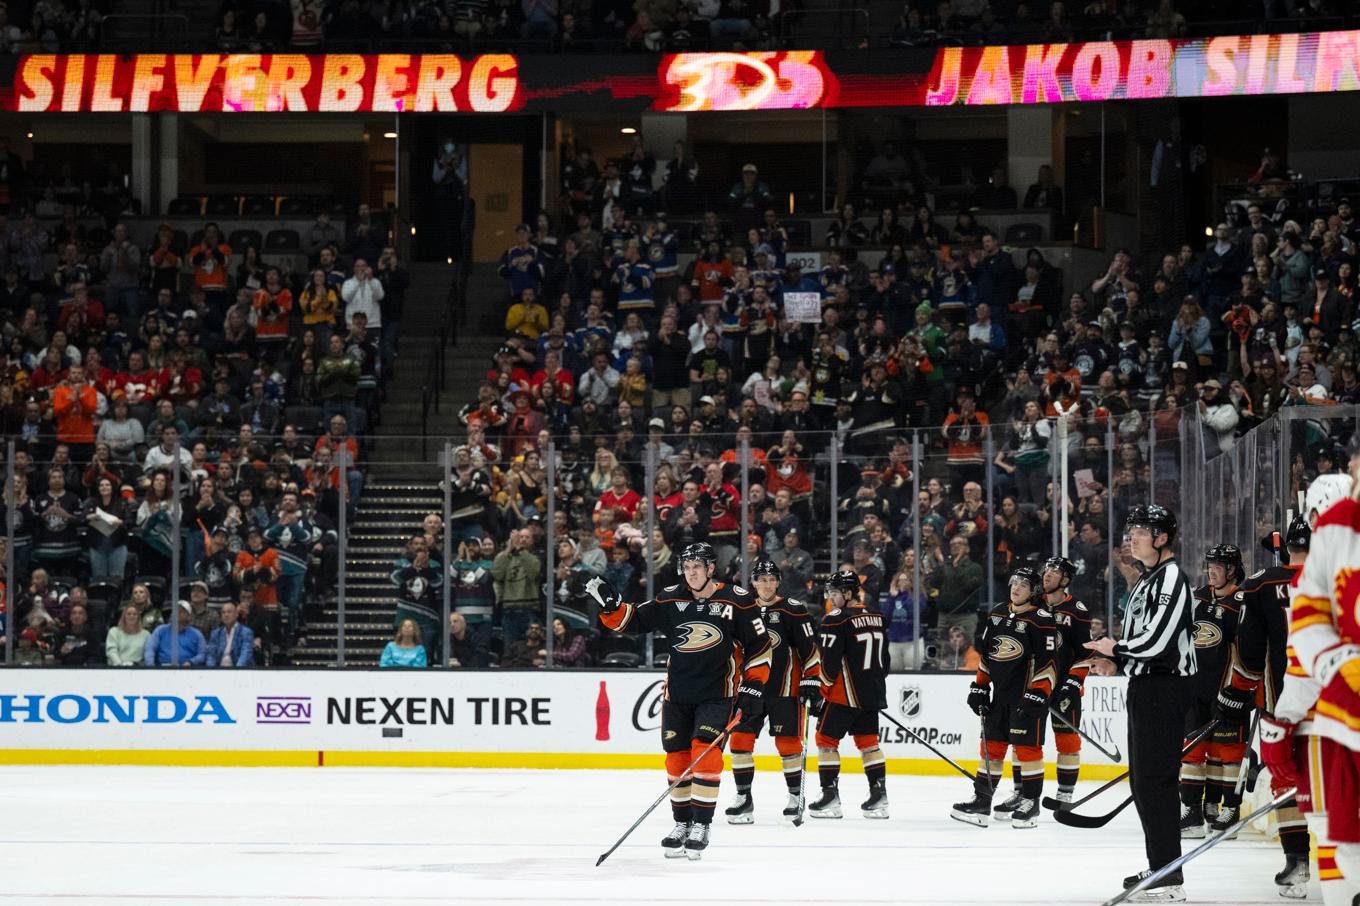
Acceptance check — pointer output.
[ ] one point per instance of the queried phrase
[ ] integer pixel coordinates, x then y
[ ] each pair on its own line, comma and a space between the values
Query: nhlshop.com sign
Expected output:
490, 718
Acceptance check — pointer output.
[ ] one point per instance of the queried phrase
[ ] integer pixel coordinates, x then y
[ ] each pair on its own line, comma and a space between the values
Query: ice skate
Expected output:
976, 811
696, 841
1064, 796
793, 807
1168, 890
1227, 816
742, 810
1025, 814
1293, 881
1003, 809
1192, 822
876, 806
829, 806
674, 842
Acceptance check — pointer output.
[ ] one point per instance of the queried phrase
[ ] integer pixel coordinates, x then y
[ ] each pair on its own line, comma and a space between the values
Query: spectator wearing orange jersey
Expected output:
209, 261
965, 430
74, 403
272, 304
257, 568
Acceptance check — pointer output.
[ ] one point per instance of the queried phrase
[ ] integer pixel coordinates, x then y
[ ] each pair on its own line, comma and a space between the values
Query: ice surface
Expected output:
341, 836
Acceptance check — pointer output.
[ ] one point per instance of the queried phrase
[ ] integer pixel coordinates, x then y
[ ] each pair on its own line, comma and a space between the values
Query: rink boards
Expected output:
468, 719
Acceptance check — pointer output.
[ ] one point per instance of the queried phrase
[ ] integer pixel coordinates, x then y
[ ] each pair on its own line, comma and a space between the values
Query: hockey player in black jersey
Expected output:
854, 652
1072, 622
1209, 771
719, 659
1014, 682
794, 674
1259, 662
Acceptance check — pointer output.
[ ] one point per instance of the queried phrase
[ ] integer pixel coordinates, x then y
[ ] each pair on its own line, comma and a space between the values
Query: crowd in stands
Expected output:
618, 343
187, 402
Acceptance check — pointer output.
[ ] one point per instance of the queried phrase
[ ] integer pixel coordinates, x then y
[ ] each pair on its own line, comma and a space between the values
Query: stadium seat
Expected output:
258, 206
190, 206
222, 206
297, 206
628, 659
306, 418
282, 241
1024, 234
239, 239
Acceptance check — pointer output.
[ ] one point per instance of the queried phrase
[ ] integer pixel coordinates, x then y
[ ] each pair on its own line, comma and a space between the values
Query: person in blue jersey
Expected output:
407, 648
633, 277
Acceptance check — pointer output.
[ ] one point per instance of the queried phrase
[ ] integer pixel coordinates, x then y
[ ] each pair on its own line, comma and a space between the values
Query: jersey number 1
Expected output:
873, 648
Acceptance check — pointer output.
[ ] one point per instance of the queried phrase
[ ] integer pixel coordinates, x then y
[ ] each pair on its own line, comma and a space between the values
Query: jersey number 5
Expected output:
873, 648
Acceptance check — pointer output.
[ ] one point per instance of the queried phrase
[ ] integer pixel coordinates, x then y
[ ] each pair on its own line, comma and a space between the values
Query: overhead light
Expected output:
450, 259
628, 130
389, 135
413, 231
30, 135
1208, 231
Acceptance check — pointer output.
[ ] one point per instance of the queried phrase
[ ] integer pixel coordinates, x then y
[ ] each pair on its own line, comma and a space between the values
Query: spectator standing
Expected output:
749, 199
418, 579
192, 647
232, 644
395, 280
521, 266
320, 234
120, 263
517, 572
362, 293
125, 644
956, 580
75, 402
56, 536
407, 648
320, 304
337, 379
209, 260
106, 515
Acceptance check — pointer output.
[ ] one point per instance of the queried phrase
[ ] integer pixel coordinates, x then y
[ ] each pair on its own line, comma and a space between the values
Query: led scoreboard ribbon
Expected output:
1316, 62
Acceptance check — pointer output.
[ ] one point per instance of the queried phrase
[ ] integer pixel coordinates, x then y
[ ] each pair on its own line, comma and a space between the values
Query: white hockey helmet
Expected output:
1324, 491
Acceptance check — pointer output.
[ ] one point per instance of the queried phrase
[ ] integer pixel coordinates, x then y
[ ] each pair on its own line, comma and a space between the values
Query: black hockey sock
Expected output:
743, 770
793, 772
681, 811
875, 765
704, 800
1015, 774
1069, 766
828, 768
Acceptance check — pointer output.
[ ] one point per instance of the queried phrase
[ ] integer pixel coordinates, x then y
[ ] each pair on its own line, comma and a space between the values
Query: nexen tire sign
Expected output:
527, 718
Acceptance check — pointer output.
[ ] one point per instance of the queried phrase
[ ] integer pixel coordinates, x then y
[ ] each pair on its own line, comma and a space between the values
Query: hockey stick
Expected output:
1063, 811
1198, 850
1247, 770
1114, 756
917, 736
987, 759
684, 775
802, 775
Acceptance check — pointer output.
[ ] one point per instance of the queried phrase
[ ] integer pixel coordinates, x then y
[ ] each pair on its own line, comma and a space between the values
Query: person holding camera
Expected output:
272, 304
518, 573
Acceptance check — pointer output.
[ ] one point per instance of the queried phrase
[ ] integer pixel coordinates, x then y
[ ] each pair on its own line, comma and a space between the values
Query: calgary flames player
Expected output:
719, 651
854, 651
1299, 748
794, 673
1258, 670
1209, 771
1011, 693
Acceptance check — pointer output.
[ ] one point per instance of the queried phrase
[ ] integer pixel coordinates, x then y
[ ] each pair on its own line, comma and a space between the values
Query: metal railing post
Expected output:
342, 467
447, 565
916, 543
176, 519
1109, 526
550, 585
989, 500
834, 450
648, 549
745, 454
11, 588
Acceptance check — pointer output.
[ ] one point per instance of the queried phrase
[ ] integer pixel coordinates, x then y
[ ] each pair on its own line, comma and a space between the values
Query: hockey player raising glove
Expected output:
604, 594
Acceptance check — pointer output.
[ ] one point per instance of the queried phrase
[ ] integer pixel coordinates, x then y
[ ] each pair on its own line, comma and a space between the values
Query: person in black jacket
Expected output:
77, 643
670, 351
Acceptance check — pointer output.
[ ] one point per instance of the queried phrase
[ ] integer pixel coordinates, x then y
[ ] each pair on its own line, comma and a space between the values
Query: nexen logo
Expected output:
112, 709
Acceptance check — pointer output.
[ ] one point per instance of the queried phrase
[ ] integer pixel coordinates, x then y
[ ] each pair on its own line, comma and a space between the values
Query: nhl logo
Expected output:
910, 702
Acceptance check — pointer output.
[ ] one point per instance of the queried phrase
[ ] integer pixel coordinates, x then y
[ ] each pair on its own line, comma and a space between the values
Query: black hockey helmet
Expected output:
843, 580
1299, 535
1062, 565
1030, 576
1153, 517
766, 567
1230, 556
699, 550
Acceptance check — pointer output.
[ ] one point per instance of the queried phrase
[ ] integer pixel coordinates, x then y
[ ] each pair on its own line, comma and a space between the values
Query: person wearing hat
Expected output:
749, 199
1325, 307
1218, 417
203, 618
181, 646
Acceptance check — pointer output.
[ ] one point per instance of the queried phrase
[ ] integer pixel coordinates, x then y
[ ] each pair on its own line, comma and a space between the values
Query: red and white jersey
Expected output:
1324, 626
1297, 703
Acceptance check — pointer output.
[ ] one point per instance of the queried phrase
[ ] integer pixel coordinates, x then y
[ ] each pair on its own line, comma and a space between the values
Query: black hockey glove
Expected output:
604, 594
979, 698
1067, 700
750, 700
1033, 705
810, 691
1233, 705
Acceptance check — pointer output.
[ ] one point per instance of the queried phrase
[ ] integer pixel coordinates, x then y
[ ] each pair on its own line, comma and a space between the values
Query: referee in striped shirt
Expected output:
1157, 654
